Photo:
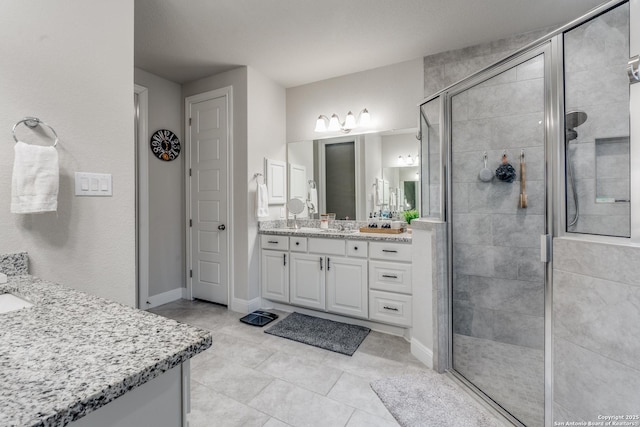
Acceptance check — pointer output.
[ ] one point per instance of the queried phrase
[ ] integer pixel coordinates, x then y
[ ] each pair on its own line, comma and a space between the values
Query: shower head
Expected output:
572, 120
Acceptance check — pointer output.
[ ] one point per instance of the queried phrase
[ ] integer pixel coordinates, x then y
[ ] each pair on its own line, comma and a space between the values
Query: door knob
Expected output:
221, 227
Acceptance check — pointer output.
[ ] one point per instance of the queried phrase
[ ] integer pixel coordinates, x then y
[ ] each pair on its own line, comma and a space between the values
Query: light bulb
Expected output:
334, 123
350, 121
321, 125
365, 118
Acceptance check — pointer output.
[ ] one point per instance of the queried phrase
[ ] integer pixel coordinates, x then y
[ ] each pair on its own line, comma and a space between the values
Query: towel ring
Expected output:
32, 122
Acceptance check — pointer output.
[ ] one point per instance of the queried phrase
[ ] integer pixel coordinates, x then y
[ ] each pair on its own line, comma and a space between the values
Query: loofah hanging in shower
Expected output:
505, 171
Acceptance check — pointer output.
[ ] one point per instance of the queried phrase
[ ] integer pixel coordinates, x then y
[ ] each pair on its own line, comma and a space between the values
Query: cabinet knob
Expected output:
355, 248
297, 243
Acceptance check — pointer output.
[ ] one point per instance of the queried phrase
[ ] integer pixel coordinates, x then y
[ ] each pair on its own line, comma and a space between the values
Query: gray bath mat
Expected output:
430, 399
323, 333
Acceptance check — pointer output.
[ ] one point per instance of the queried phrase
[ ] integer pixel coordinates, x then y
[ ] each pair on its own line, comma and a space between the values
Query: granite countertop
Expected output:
72, 352
336, 234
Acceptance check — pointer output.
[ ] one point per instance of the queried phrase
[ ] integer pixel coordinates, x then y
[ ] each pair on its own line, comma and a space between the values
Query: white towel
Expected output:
378, 192
313, 198
262, 201
35, 180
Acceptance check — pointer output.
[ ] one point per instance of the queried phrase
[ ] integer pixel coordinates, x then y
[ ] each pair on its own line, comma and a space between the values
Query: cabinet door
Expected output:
307, 280
275, 275
347, 290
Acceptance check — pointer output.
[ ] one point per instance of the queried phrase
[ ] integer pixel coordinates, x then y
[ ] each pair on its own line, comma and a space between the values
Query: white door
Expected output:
208, 158
347, 287
307, 280
275, 275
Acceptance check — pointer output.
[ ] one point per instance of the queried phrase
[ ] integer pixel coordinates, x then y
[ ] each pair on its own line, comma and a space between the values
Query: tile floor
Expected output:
249, 378
510, 374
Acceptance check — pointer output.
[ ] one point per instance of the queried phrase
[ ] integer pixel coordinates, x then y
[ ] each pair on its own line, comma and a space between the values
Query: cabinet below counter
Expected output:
365, 279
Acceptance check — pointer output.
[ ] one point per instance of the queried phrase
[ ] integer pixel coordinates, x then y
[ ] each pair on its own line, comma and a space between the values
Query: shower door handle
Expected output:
633, 69
545, 248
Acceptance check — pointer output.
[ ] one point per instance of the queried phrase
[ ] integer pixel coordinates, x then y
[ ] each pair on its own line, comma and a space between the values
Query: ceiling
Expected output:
295, 42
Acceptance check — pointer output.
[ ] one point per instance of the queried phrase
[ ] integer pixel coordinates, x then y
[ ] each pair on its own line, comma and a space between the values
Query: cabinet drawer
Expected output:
274, 242
298, 244
390, 276
390, 251
327, 246
357, 248
390, 308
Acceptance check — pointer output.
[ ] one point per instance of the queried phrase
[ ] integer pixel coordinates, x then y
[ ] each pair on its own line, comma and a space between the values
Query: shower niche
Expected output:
612, 170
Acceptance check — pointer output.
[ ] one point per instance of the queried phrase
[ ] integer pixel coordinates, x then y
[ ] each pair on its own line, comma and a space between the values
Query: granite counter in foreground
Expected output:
72, 353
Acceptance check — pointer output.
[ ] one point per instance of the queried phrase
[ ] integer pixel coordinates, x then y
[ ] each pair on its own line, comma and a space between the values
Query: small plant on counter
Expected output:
410, 215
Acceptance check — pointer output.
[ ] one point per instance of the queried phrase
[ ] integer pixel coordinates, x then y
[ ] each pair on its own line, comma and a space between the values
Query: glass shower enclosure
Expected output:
497, 218
514, 154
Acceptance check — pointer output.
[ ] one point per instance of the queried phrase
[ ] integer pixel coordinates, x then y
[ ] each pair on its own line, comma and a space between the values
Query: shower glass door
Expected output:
497, 218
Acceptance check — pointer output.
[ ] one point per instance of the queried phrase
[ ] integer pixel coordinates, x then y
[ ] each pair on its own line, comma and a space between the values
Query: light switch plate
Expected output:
93, 184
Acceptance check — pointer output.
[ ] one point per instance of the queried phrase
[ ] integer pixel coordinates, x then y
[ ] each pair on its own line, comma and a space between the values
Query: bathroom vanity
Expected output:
70, 358
349, 273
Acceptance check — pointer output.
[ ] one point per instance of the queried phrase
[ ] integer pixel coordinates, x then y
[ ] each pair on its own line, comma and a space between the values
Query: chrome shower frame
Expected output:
551, 45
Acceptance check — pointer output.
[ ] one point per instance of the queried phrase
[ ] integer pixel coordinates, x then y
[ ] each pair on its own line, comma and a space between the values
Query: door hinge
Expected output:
190, 223
189, 121
190, 273
545, 248
189, 171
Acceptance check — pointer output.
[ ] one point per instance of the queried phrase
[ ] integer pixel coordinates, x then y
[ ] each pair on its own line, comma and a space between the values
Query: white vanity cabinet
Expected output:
307, 280
346, 282
274, 277
326, 279
355, 278
390, 283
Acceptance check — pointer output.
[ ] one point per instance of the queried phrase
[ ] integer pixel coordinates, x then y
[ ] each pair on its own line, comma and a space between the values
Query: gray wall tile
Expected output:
588, 384
600, 260
514, 296
519, 329
599, 315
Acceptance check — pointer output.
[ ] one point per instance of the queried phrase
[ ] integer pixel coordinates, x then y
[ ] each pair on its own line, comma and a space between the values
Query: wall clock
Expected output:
165, 145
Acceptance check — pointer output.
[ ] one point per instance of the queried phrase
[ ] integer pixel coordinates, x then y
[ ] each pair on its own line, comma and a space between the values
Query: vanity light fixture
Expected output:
408, 160
333, 124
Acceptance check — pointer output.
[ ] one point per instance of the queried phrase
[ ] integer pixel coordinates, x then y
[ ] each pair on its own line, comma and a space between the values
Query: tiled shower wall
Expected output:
596, 309
596, 54
498, 290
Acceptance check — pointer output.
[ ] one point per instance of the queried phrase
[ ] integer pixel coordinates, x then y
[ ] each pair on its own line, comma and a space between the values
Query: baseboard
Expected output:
245, 306
422, 353
165, 297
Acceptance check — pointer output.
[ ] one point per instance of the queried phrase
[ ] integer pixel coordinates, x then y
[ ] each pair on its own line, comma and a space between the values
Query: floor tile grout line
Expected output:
334, 384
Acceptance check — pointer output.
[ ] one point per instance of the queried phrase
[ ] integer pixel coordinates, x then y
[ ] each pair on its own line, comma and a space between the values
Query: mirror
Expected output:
354, 176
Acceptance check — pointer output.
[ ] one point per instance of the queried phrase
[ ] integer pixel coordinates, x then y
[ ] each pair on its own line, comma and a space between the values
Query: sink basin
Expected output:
10, 302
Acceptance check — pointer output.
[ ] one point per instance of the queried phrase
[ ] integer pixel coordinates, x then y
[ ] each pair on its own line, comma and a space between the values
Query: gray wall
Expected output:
70, 63
444, 69
166, 187
390, 93
596, 341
